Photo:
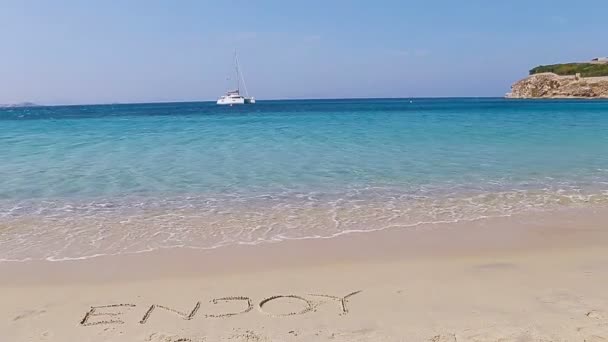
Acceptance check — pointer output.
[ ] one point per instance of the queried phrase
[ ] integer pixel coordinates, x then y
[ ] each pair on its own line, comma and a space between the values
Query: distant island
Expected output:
568, 80
19, 105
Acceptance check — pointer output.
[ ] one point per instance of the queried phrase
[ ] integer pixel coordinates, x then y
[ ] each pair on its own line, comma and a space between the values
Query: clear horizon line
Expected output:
34, 104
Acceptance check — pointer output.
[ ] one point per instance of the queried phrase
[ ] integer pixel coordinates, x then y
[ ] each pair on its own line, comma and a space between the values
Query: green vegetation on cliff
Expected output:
585, 69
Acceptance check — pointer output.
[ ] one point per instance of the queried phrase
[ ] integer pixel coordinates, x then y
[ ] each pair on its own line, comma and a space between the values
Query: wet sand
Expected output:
532, 277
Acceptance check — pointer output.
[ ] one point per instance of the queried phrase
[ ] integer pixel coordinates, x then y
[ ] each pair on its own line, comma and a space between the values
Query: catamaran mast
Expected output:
239, 75
238, 79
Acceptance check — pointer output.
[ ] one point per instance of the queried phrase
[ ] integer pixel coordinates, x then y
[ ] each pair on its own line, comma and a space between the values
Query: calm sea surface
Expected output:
80, 181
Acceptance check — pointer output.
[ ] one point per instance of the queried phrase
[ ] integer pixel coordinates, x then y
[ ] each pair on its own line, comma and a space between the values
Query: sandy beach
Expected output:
533, 277
197, 171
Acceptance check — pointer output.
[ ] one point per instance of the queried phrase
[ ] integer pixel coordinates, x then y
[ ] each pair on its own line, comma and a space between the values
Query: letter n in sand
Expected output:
186, 316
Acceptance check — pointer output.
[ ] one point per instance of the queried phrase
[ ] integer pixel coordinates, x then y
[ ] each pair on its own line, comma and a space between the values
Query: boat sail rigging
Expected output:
233, 97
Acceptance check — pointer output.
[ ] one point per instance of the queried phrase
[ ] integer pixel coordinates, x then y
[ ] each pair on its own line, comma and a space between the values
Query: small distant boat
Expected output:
234, 97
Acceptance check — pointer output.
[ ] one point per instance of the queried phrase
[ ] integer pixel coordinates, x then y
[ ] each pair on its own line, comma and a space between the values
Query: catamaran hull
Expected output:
235, 100
231, 101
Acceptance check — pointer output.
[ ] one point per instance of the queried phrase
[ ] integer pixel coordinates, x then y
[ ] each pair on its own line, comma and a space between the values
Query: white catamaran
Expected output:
234, 97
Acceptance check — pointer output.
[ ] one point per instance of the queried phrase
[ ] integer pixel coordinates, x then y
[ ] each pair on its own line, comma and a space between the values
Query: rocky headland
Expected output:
566, 80
550, 85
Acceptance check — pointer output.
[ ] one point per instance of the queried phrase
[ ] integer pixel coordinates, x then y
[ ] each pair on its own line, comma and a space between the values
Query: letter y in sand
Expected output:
342, 300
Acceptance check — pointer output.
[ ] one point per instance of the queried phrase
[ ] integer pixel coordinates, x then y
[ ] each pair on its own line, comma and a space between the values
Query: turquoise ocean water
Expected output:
80, 181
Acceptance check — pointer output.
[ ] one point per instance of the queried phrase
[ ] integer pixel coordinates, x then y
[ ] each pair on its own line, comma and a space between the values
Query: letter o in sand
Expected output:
305, 301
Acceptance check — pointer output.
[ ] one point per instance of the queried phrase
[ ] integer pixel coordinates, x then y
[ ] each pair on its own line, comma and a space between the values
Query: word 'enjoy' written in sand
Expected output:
111, 314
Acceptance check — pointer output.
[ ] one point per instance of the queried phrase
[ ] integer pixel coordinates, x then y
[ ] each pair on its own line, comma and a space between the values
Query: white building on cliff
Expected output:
601, 60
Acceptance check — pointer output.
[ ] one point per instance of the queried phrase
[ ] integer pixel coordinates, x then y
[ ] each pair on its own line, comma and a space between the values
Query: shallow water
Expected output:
81, 181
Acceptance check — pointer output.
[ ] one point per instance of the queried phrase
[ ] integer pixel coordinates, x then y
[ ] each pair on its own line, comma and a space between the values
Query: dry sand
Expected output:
534, 277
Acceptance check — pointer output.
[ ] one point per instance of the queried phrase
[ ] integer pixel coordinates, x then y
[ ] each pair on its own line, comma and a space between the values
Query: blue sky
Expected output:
72, 52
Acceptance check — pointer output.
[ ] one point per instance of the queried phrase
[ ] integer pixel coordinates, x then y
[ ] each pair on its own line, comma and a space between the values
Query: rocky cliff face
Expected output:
549, 85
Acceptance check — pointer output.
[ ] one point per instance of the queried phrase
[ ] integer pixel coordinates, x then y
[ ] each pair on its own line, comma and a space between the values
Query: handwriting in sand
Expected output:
111, 314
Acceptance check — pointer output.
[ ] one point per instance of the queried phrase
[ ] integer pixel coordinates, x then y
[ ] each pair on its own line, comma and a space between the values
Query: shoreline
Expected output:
82, 235
493, 236
339, 235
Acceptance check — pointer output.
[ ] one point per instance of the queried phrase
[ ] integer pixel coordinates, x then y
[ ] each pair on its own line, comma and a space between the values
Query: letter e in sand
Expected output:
112, 316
